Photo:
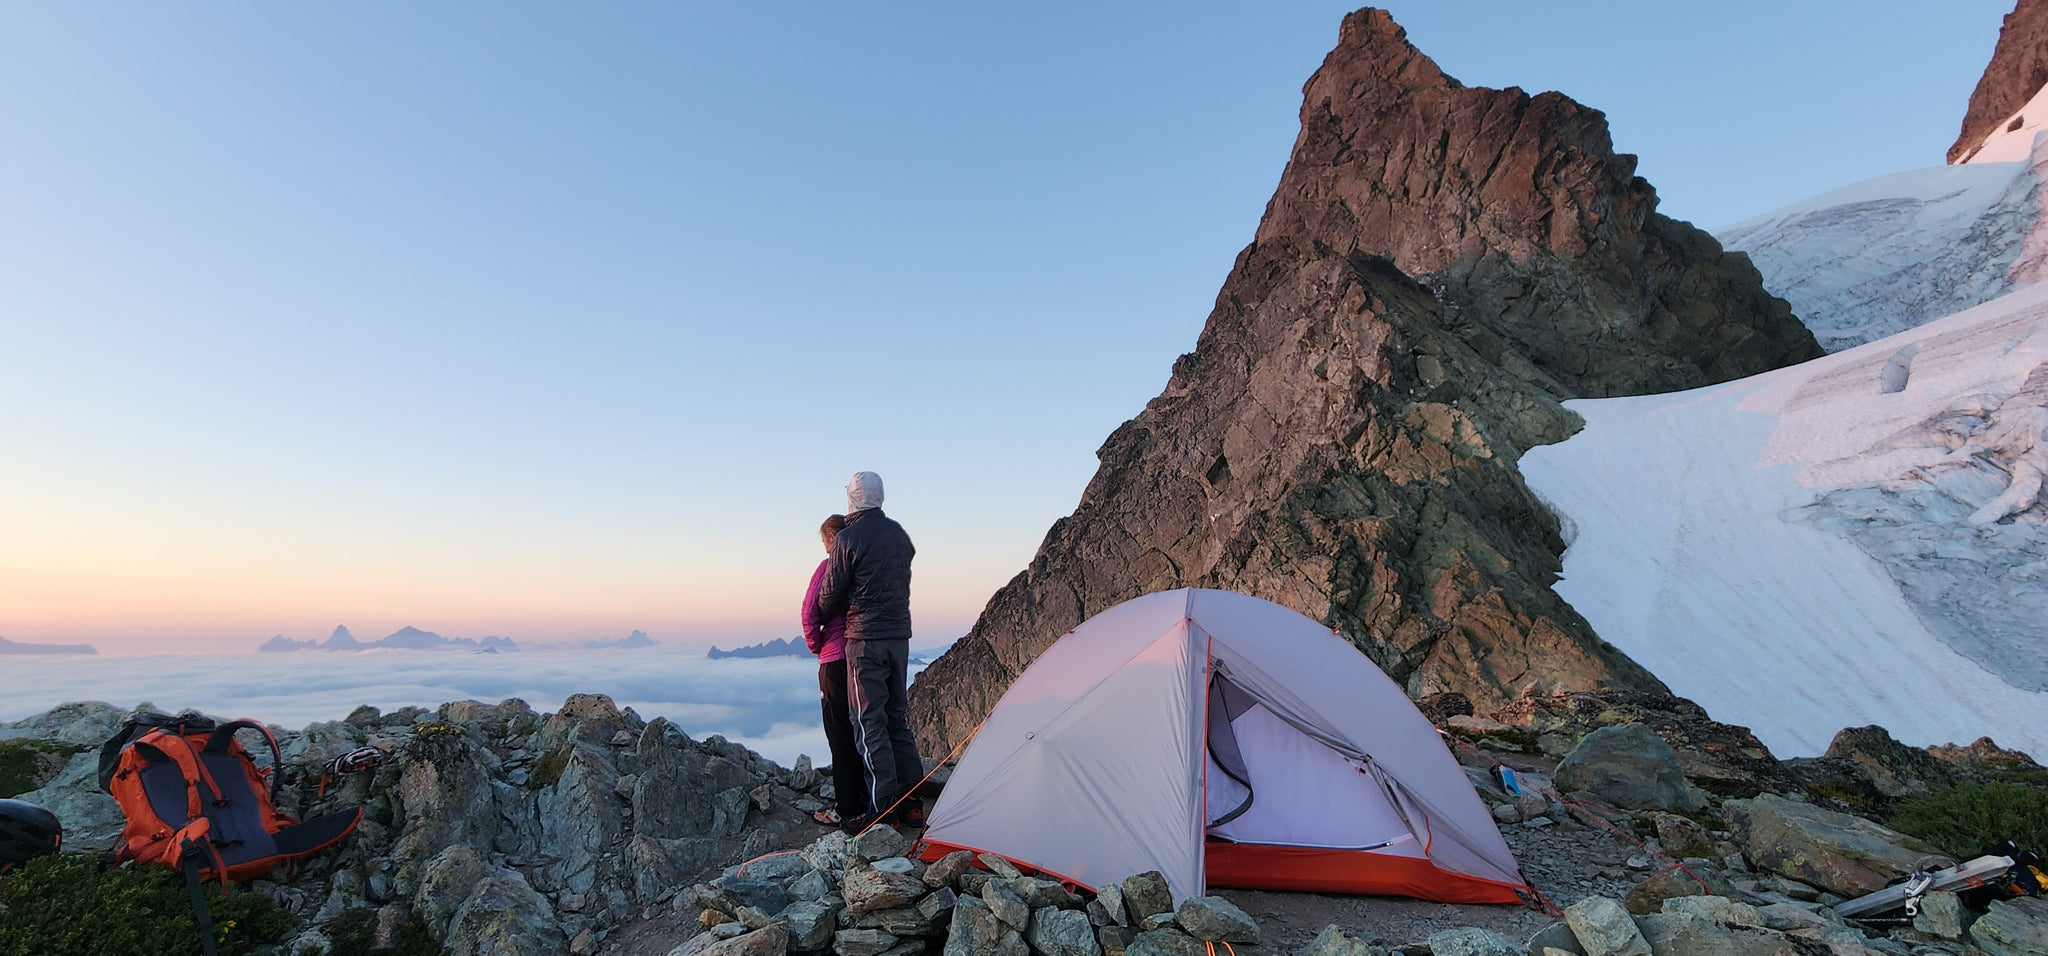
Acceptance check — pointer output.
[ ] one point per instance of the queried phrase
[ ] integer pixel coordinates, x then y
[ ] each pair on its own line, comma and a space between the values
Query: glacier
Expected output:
1854, 540
1888, 254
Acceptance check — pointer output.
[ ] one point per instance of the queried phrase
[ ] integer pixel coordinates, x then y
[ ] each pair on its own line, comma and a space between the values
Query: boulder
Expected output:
1335, 941
1146, 894
1114, 939
1682, 935
770, 940
1036, 892
1628, 766
1166, 942
903, 921
1216, 919
811, 886
1680, 837
1896, 770
669, 802
1002, 868
1843, 854
442, 797
880, 842
1603, 928
948, 868
728, 894
829, 853
1057, 932
1787, 917
939, 905
2013, 927
1006, 905
1715, 909
503, 916
1556, 936
974, 929
862, 942
84, 722
450, 877
1111, 896
91, 818
1723, 759
1471, 941
867, 889
899, 865
811, 924
1651, 894
1941, 914
776, 868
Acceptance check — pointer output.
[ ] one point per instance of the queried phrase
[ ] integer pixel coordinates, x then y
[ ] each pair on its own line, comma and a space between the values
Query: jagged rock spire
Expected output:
1438, 268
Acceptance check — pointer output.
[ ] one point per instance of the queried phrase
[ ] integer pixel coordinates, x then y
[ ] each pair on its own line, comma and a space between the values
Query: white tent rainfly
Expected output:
1222, 740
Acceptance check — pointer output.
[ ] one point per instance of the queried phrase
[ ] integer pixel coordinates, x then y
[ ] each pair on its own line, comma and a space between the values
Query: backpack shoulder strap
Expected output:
223, 740
110, 753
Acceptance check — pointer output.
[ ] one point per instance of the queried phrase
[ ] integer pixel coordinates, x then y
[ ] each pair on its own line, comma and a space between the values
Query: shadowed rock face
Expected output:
1343, 439
2018, 70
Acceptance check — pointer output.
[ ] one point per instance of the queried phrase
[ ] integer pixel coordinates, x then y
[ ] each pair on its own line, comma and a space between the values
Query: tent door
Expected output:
1276, 785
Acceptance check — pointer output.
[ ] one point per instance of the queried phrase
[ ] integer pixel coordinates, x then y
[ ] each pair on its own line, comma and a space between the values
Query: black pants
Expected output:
877, 676
849, 772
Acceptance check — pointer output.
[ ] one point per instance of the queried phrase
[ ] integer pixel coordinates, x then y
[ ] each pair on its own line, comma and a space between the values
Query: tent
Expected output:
1222, 740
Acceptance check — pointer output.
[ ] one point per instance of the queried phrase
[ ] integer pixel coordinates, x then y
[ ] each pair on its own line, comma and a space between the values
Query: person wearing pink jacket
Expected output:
827, 639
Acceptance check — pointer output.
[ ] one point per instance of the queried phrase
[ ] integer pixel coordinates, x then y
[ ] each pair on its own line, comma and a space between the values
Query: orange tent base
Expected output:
1305, 869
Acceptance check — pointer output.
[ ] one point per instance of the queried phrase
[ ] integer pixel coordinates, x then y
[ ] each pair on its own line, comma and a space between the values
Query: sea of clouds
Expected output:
768, 704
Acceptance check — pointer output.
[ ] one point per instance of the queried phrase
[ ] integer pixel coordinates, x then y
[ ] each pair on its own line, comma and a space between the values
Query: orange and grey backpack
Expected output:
195, 801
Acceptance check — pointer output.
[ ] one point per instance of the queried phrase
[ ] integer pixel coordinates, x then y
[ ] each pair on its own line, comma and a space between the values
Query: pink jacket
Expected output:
828, 640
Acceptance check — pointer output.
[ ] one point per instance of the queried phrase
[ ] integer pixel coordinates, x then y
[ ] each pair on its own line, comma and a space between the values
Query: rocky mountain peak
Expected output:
2018, 70
1440, 266
1517, 208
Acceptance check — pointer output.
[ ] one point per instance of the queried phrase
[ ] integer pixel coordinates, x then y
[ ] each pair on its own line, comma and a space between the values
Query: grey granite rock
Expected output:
1604, 928
948, 868
1057, 932
1628, 766
1472, 941
1146, 894
1842, 854
1006, 906
1217, 919
2013, 927
867, 889
811, 924
862, 942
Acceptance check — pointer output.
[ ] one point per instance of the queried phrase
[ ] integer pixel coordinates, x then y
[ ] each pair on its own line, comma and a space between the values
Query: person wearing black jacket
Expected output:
867, 578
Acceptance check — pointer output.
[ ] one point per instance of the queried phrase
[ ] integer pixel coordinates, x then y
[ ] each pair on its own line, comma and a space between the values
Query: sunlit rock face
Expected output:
1439, 267
2017, 71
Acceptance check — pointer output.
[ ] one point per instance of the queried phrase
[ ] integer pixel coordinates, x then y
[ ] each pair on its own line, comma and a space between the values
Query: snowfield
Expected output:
1855, 540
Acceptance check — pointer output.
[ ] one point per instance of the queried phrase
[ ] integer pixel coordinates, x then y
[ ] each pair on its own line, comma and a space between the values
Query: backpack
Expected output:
196, 801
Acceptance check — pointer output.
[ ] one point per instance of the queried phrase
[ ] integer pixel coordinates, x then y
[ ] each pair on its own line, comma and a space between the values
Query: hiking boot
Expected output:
852, 826
909, 815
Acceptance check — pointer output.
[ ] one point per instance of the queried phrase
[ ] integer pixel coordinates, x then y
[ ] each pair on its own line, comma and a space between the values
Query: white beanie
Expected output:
864, 491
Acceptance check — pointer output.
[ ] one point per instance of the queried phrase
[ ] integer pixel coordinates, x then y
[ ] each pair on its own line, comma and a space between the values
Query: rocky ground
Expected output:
591, 831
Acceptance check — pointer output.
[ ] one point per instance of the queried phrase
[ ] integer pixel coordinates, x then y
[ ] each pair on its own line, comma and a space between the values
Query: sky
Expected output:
557, 322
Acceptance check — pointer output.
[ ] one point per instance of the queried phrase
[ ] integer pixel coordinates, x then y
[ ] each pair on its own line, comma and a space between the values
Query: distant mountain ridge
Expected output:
17, 647
414, 639
405, 638
786, 647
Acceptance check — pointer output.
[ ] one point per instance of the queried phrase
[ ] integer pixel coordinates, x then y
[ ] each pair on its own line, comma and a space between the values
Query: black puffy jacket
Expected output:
867, 577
